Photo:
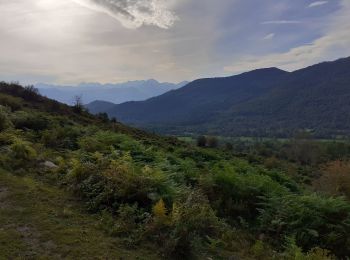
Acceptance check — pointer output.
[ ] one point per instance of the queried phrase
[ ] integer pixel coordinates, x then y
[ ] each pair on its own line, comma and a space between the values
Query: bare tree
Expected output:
78, 104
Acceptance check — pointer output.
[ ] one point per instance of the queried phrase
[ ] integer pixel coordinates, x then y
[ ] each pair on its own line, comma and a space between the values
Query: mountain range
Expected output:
116, 93
264, 102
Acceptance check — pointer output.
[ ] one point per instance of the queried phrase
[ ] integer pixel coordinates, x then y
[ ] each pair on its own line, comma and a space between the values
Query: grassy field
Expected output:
224, 139
42, 222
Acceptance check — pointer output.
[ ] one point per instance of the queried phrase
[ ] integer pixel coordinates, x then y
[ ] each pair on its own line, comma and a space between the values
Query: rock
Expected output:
49, 164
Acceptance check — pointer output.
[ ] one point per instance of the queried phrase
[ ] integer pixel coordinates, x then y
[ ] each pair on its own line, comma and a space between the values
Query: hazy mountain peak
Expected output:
152, 81
116, 93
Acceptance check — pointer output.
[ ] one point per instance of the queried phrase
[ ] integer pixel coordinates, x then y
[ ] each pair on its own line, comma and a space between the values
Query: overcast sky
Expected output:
72, 41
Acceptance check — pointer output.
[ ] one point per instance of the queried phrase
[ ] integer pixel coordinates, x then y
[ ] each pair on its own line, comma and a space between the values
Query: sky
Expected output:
111, 41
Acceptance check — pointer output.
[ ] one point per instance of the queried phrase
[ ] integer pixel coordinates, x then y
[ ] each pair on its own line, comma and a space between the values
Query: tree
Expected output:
202, 141
30, 93
228, 147
78, 104
103, 117
212, 142
335, 179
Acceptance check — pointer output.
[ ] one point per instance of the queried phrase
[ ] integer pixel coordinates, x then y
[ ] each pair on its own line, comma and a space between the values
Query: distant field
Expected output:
223, 139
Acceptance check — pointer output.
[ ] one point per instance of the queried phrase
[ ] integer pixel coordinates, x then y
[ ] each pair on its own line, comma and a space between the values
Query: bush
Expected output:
24, 120
102, 141
238, 190
11, 102
212, 142
293, 252
335, 179
61, 137
103, 117
201, 141
129, 223
190, 228
19, 154
118, 181
30, 93
4, 120
313, 220
22, 151
7, 138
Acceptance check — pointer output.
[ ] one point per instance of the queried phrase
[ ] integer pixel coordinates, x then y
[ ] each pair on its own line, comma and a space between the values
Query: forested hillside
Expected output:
266, 102
147, 196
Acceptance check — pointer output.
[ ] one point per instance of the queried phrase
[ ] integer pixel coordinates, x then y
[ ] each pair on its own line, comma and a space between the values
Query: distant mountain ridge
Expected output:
264, 102
115, 93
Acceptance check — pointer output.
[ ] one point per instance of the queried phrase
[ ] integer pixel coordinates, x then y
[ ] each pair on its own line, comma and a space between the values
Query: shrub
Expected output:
11, 102
22, 150
30, 93
192, 225
4, 120
19, 154
293, 252
108, 184
313, 220
102, 141
228, 147
319, 254
258, 249
61, 137
129, 222
212, 142
7, 138
160, 211
103, 117
24, 120
201, 141
335, 179
239, 189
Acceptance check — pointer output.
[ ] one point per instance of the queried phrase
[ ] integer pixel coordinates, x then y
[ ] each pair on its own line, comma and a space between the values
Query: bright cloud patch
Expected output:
269, 36
318, 3
134, 13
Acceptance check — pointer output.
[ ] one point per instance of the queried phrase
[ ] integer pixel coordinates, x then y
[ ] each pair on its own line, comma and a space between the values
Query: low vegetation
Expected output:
177, 200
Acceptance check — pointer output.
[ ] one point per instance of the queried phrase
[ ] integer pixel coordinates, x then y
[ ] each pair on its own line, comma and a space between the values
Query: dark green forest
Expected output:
161, 197
265, 102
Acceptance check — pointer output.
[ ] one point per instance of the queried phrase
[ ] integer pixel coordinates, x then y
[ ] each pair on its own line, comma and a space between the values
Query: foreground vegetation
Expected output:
168, 197
41, 221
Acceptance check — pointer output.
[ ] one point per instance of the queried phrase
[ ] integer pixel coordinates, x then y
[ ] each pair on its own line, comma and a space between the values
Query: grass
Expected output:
38, 221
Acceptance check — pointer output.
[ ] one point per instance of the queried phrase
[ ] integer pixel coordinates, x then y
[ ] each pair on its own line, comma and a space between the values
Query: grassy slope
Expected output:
98, 160
40, 221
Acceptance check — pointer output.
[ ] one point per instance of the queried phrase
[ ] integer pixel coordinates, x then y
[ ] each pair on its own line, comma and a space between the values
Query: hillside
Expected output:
75, 185
266, 102
115, 93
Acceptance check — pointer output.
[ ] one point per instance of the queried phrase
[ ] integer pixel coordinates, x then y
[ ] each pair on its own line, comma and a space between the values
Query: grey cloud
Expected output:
134, 13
